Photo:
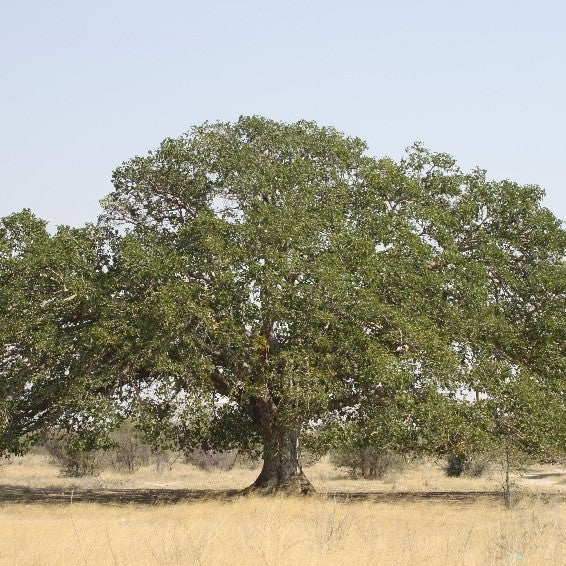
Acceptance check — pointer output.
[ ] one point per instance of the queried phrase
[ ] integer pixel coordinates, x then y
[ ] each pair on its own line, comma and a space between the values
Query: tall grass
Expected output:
282, 531
274, 531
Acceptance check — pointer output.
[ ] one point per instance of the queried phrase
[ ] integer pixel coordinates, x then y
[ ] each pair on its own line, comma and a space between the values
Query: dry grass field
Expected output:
258, 531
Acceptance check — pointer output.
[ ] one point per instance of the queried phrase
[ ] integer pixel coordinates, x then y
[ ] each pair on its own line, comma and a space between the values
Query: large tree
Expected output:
53, 292
505, 282
250, 282
272, 275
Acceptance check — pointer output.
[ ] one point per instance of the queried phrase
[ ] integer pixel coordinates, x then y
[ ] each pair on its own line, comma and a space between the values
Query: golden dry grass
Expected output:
258, 531
35, 470
282, 531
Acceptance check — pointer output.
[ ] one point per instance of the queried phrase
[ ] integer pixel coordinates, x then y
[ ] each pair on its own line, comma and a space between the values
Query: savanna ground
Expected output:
412, 517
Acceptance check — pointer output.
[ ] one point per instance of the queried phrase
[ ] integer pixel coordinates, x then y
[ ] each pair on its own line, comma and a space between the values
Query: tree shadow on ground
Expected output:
19, 494
543, 475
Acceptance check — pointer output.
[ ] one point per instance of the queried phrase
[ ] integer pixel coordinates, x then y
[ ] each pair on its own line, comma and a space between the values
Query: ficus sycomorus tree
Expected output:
272, 277
53, 292
504, 257
248, 282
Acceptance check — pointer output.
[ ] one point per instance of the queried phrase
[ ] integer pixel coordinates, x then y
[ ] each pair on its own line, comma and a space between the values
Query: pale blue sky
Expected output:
87, 85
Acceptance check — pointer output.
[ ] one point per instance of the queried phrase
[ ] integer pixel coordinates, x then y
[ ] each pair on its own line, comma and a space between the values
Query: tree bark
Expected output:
281, 471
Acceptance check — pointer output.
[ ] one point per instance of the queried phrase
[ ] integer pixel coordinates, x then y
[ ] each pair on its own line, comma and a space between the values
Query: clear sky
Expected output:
87, 85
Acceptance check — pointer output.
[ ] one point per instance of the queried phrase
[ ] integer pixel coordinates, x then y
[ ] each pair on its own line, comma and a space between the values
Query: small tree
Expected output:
74, 454
128, 451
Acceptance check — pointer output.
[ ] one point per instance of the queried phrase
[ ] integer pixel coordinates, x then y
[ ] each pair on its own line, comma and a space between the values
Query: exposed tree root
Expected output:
297, 484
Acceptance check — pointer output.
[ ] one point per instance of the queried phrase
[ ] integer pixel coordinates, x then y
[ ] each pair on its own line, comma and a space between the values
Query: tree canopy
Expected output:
250, 282
52, 292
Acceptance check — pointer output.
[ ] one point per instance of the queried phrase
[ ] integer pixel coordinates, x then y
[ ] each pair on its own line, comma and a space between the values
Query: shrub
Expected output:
367, 462
165, 459
75, 455
129, 451
474, 465
71, 454
211, 460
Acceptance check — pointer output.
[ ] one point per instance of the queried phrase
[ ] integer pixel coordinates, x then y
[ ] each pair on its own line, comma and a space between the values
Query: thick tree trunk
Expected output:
281, 471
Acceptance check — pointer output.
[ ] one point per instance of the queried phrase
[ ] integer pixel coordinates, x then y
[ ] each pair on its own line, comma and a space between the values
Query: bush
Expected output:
70, 453
130, 451
367, 462
165, 459
211, 460
124, 450
475, 465
455, 465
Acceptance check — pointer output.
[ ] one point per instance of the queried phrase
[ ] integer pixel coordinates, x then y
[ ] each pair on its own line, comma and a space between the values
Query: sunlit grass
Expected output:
35, 470
282, 531
264, 531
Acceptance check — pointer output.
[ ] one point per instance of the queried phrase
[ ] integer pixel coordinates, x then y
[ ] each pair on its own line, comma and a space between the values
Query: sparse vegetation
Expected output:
368, 462
127, 451
474, 465
276, 531
223, 461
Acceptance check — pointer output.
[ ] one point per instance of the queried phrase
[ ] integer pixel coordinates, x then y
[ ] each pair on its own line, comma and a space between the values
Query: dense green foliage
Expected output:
53, 289
248, 282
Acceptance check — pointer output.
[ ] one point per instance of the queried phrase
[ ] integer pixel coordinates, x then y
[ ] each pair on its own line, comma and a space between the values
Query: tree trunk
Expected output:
281, 471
